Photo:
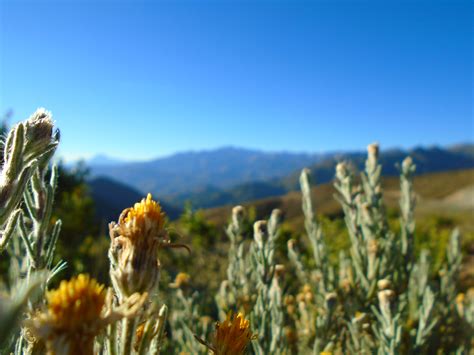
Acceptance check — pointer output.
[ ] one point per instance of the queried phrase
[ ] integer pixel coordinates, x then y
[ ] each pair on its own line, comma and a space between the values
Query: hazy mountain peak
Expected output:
102, 159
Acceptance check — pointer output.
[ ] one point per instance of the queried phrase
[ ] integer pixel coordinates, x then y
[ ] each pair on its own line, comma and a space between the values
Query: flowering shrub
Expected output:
379, 298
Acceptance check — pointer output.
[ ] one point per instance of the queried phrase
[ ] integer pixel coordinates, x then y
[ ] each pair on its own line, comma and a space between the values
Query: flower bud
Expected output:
279, 271
238, 214
341, 170
39, 133
181, 280
39, 127
460, 303
384, 284
275, 220
407, 165
385, 298
373, 151
260, 233
291, 243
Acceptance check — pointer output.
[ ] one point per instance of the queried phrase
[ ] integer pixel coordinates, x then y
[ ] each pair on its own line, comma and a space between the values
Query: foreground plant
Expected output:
135, 268
75, 314
133, 253
27, 236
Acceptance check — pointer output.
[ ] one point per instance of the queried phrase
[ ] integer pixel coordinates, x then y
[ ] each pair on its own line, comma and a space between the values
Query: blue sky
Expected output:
137, 80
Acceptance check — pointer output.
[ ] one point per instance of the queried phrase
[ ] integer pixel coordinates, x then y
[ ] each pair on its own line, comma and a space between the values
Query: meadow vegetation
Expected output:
351, 267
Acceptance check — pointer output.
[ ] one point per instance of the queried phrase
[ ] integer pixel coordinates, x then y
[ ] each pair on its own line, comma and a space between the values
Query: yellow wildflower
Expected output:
232, 336
75, 314
144, 220
182, 279
76, 302
133, 253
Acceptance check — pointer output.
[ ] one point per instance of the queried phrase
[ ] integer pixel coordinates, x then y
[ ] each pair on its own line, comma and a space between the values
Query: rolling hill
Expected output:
111, 197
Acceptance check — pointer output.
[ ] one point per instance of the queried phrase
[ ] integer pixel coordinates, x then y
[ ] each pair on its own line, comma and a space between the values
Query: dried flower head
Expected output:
75, 314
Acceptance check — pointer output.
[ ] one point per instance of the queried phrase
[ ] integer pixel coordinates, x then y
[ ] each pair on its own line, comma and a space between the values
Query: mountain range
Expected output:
235, 175
190, 171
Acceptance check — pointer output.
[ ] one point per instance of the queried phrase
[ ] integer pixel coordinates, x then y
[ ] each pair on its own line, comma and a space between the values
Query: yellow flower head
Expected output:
232, 336
144, 219
76, 302
133, 252
76, 312
181, 279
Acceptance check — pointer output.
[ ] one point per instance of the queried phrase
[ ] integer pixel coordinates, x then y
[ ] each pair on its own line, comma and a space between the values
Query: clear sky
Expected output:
138, 80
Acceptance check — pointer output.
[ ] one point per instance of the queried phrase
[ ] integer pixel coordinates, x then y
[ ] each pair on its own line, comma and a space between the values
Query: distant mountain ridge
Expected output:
235, 175
103, 160
188, 171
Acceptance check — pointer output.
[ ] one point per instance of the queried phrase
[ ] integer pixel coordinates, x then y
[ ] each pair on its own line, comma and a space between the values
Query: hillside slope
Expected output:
111, 197
437, 193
